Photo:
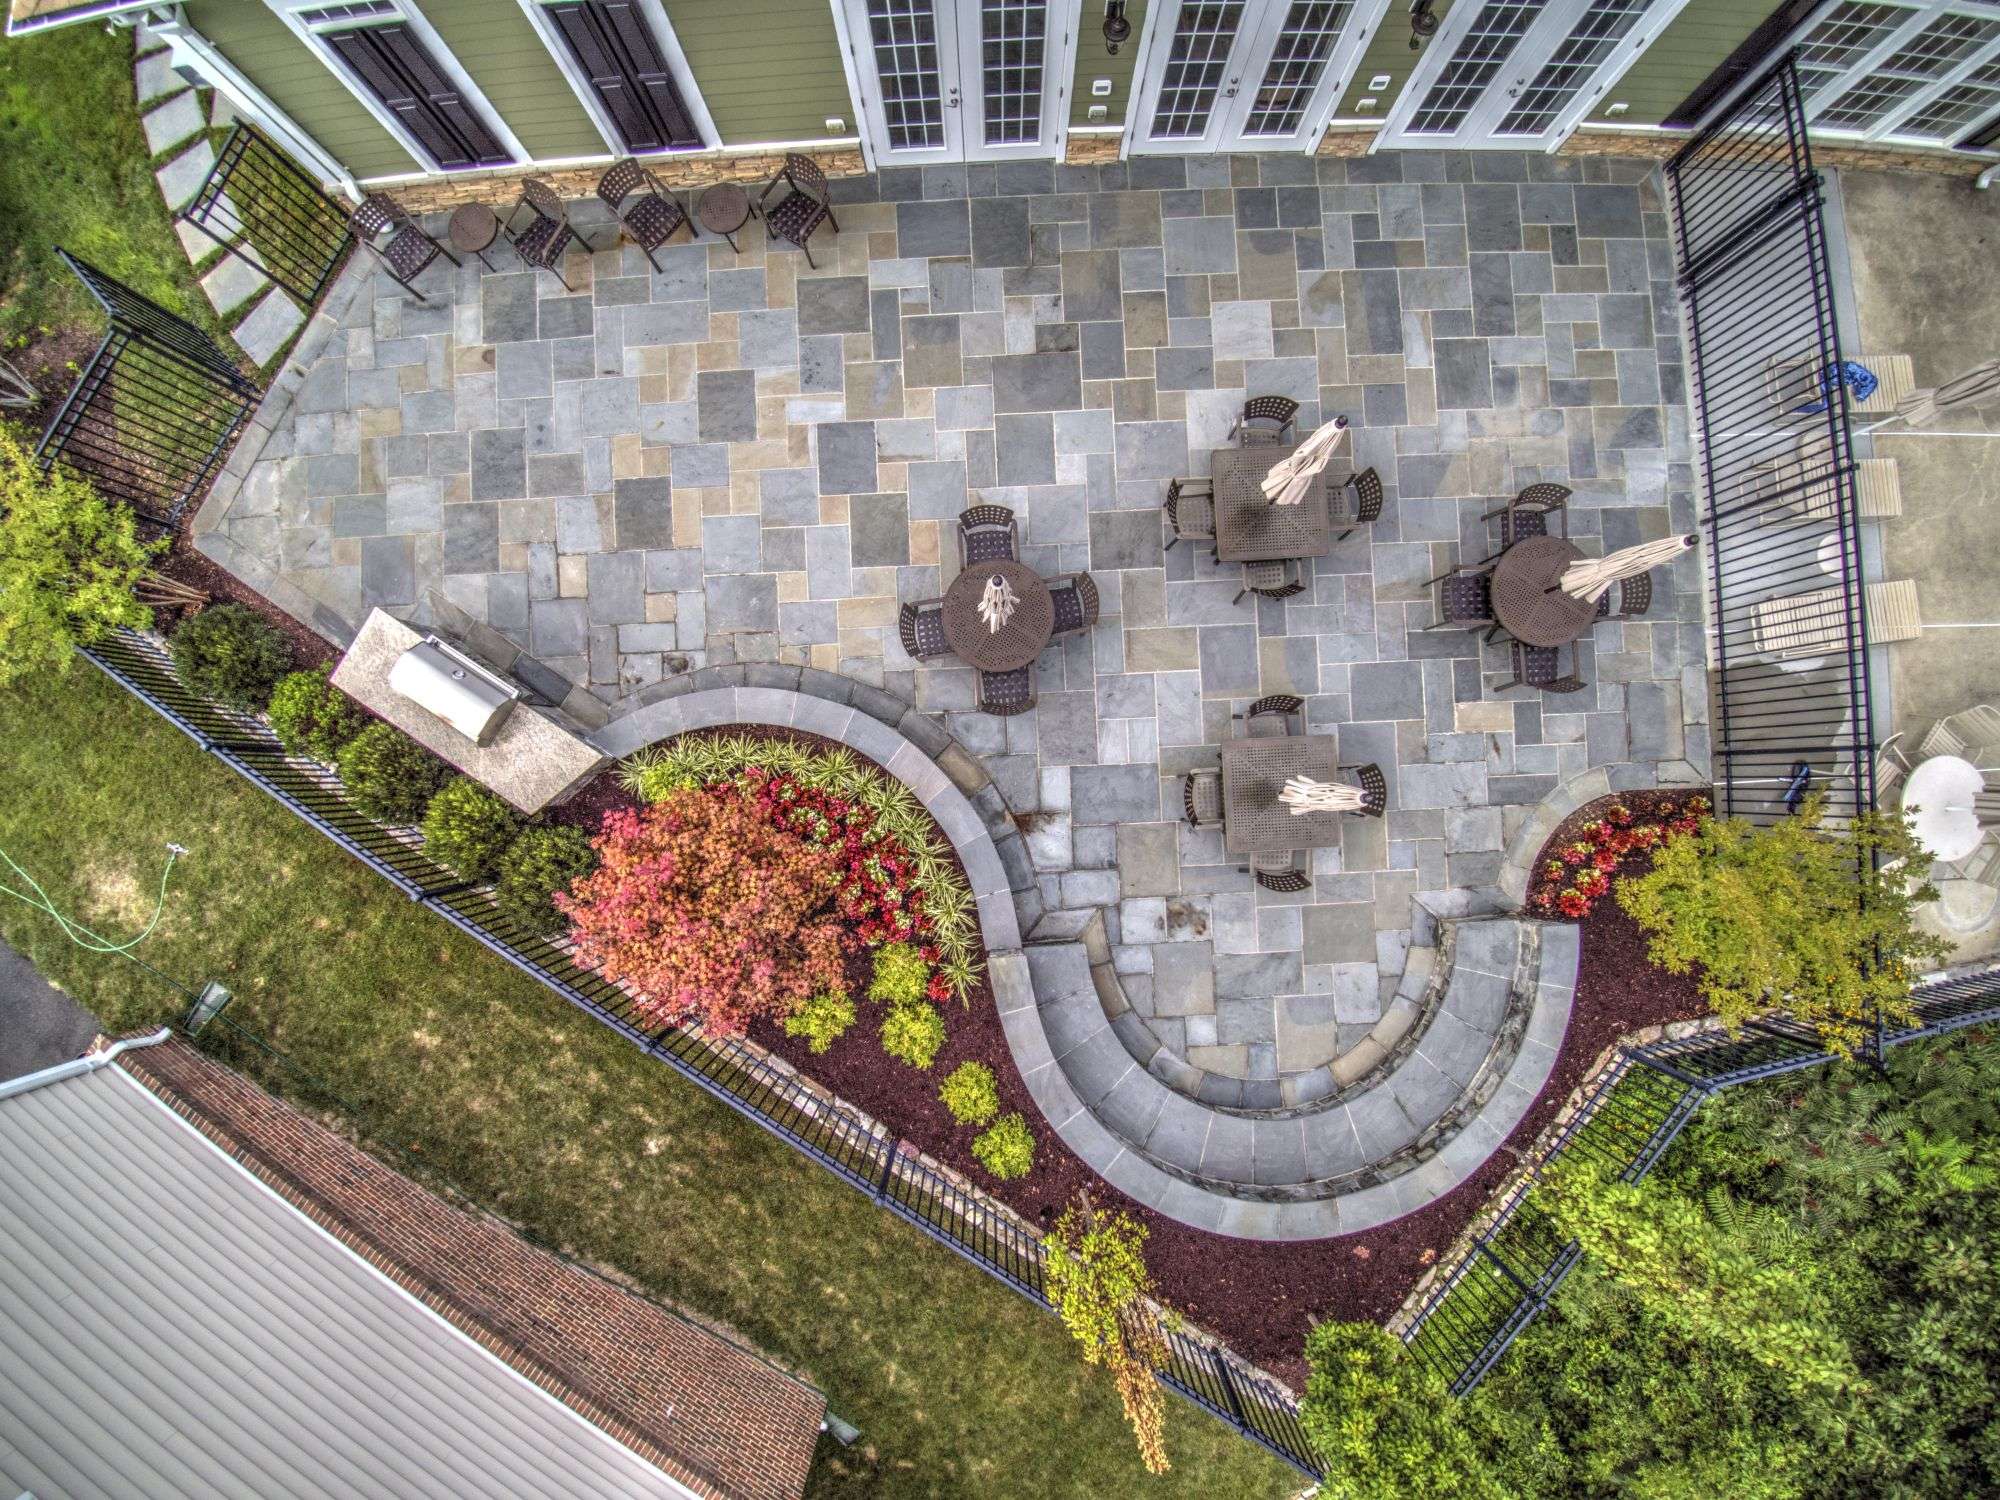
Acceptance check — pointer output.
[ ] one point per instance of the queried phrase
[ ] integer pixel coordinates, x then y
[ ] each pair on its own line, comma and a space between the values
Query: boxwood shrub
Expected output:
539, 863
388, 775
228, 652
468, 828
312, 716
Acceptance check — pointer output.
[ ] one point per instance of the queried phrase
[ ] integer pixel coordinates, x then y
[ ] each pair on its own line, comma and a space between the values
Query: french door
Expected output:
1520, 74
962, 80
1245, 75
1926, 72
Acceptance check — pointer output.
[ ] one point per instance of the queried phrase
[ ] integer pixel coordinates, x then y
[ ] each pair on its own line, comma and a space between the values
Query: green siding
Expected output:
301, 85
1693, 46
1092, 61
498, 46
768, 70
1388, 51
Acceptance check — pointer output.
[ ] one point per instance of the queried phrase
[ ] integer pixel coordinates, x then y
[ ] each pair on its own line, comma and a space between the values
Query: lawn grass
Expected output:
74, 173
959, 1386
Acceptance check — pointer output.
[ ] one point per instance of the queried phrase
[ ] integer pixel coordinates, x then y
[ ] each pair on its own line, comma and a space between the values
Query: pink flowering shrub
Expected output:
1574, 879
711, 909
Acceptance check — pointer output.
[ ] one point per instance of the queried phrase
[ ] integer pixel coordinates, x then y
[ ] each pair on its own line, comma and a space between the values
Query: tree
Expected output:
1098, 1280
69, 565
1383, 1423
710, 909
1817, 922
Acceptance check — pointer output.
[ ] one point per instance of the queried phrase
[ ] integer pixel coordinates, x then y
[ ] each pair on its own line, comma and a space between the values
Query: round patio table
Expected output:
1015, 643
1941, 790
723, 209
474, 227
1526, 600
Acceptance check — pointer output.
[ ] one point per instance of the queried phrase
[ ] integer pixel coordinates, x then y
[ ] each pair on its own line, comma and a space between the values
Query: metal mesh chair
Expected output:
409, 250
1465, 601
1278, 411
1271, 580
1190, 511
1005, 693
1276, 707
1279, 872
1367, 502
536, 195
1635, 597
922, 629
1536, 667
1201, 798
1374, 788
1527, 514
648, 212
542, 245
803, 207
986, 533
1075, 599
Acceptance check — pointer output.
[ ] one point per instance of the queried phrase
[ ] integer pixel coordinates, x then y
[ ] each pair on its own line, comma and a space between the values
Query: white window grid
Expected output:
1196, 63
331, 16
1013, 47
1932, 54
1900, 70
1297, 63
1494, 34
904, 34
1594, 37
1951, 114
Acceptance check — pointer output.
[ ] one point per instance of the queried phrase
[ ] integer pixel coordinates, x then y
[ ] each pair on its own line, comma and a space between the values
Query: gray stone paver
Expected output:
741, 460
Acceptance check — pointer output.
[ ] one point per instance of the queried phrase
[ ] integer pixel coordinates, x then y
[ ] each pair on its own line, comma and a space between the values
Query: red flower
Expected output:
939, 988
1572, 904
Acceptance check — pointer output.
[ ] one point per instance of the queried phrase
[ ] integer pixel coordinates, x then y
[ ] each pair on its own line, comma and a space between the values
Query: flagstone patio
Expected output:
736, 459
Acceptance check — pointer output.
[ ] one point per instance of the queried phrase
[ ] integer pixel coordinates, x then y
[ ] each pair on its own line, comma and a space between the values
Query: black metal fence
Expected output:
1787, 605
888, 1170
155, 409
268, 211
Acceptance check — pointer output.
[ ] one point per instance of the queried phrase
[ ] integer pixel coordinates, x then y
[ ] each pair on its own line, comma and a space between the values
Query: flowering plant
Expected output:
1575, 877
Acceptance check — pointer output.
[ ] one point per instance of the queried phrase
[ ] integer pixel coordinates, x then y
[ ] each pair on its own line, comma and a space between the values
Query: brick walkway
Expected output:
737, 460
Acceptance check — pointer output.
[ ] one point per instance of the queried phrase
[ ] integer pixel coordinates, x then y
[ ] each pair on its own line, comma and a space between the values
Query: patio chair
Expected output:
986, 533
1527, 514
1983, 863
1955, 733
409, 251
645, 209
922, 629
1280, 872
1075, 599
1465, 601
1535, 667
1279, 411
1190, 511
1891, 766
1272, 580
1986, 807
1374, 788
1201, 798
803, 207
1367, 502
1635, 597
1005, 693
1276, 708
548, 234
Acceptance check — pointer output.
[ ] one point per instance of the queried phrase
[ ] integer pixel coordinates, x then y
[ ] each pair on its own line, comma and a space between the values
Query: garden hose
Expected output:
76, 932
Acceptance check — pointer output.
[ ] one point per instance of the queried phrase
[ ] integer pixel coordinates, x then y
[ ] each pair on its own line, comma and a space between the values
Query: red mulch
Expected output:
51, 363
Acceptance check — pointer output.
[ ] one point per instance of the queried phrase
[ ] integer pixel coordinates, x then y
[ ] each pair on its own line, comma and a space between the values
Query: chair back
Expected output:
921, 627
1467, 597
544, 200
1374, 788
1006, 693
1201, 798
1635, 595
1075, 600
375, 213
620, 180
1277, 410
1367, 495
1279, 871
805, 176
1544, 497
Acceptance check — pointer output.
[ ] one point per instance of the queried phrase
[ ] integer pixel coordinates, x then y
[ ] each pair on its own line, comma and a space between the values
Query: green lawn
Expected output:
73, 172
959, 1386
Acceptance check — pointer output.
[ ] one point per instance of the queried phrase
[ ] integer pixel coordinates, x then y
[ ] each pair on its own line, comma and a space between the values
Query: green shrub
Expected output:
1008, 1149
541, 862
900, 974
312, 716
913, 1032
469, 828
1381, 1420
389, 776
229, 652
970, 1093
822, 1020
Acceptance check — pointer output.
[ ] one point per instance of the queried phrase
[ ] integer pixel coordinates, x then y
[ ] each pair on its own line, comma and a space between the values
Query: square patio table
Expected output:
1249, 528
1254, 771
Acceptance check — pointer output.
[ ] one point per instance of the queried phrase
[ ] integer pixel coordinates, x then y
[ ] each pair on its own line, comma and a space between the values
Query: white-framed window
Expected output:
1244, 75
626, 66
394, 62
1901, 72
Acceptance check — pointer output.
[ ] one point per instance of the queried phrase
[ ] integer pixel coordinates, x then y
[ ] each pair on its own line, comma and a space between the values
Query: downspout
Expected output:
1986, 179
76, 1067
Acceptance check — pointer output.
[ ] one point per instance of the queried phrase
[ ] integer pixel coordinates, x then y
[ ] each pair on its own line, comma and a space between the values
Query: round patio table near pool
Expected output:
1528, 600
1017, 642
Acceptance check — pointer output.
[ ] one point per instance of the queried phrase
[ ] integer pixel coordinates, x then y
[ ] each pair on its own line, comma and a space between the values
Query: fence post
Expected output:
888, 1170
1228, 1388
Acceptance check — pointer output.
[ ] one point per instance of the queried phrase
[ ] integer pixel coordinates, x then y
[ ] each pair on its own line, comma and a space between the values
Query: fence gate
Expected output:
268, 212
1788, 630
154, 410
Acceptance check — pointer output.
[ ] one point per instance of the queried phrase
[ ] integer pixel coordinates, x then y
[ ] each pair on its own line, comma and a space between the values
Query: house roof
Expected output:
31, 15
206, 1292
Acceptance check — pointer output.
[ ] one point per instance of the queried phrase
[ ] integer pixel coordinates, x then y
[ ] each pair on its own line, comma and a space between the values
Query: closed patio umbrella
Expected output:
1590, 577
1979, 384
1288, 481
1304, 795
996, 604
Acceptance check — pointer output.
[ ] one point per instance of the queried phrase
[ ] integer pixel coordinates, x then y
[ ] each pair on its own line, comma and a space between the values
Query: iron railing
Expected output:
155, 409
268, 211
890, 1171
1787, 606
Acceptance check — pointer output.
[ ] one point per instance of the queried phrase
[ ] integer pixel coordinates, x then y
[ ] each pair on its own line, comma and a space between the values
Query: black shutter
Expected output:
617, 51
391, 64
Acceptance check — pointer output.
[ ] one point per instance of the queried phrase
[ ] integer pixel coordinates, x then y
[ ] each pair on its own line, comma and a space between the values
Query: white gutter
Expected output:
76, 1067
